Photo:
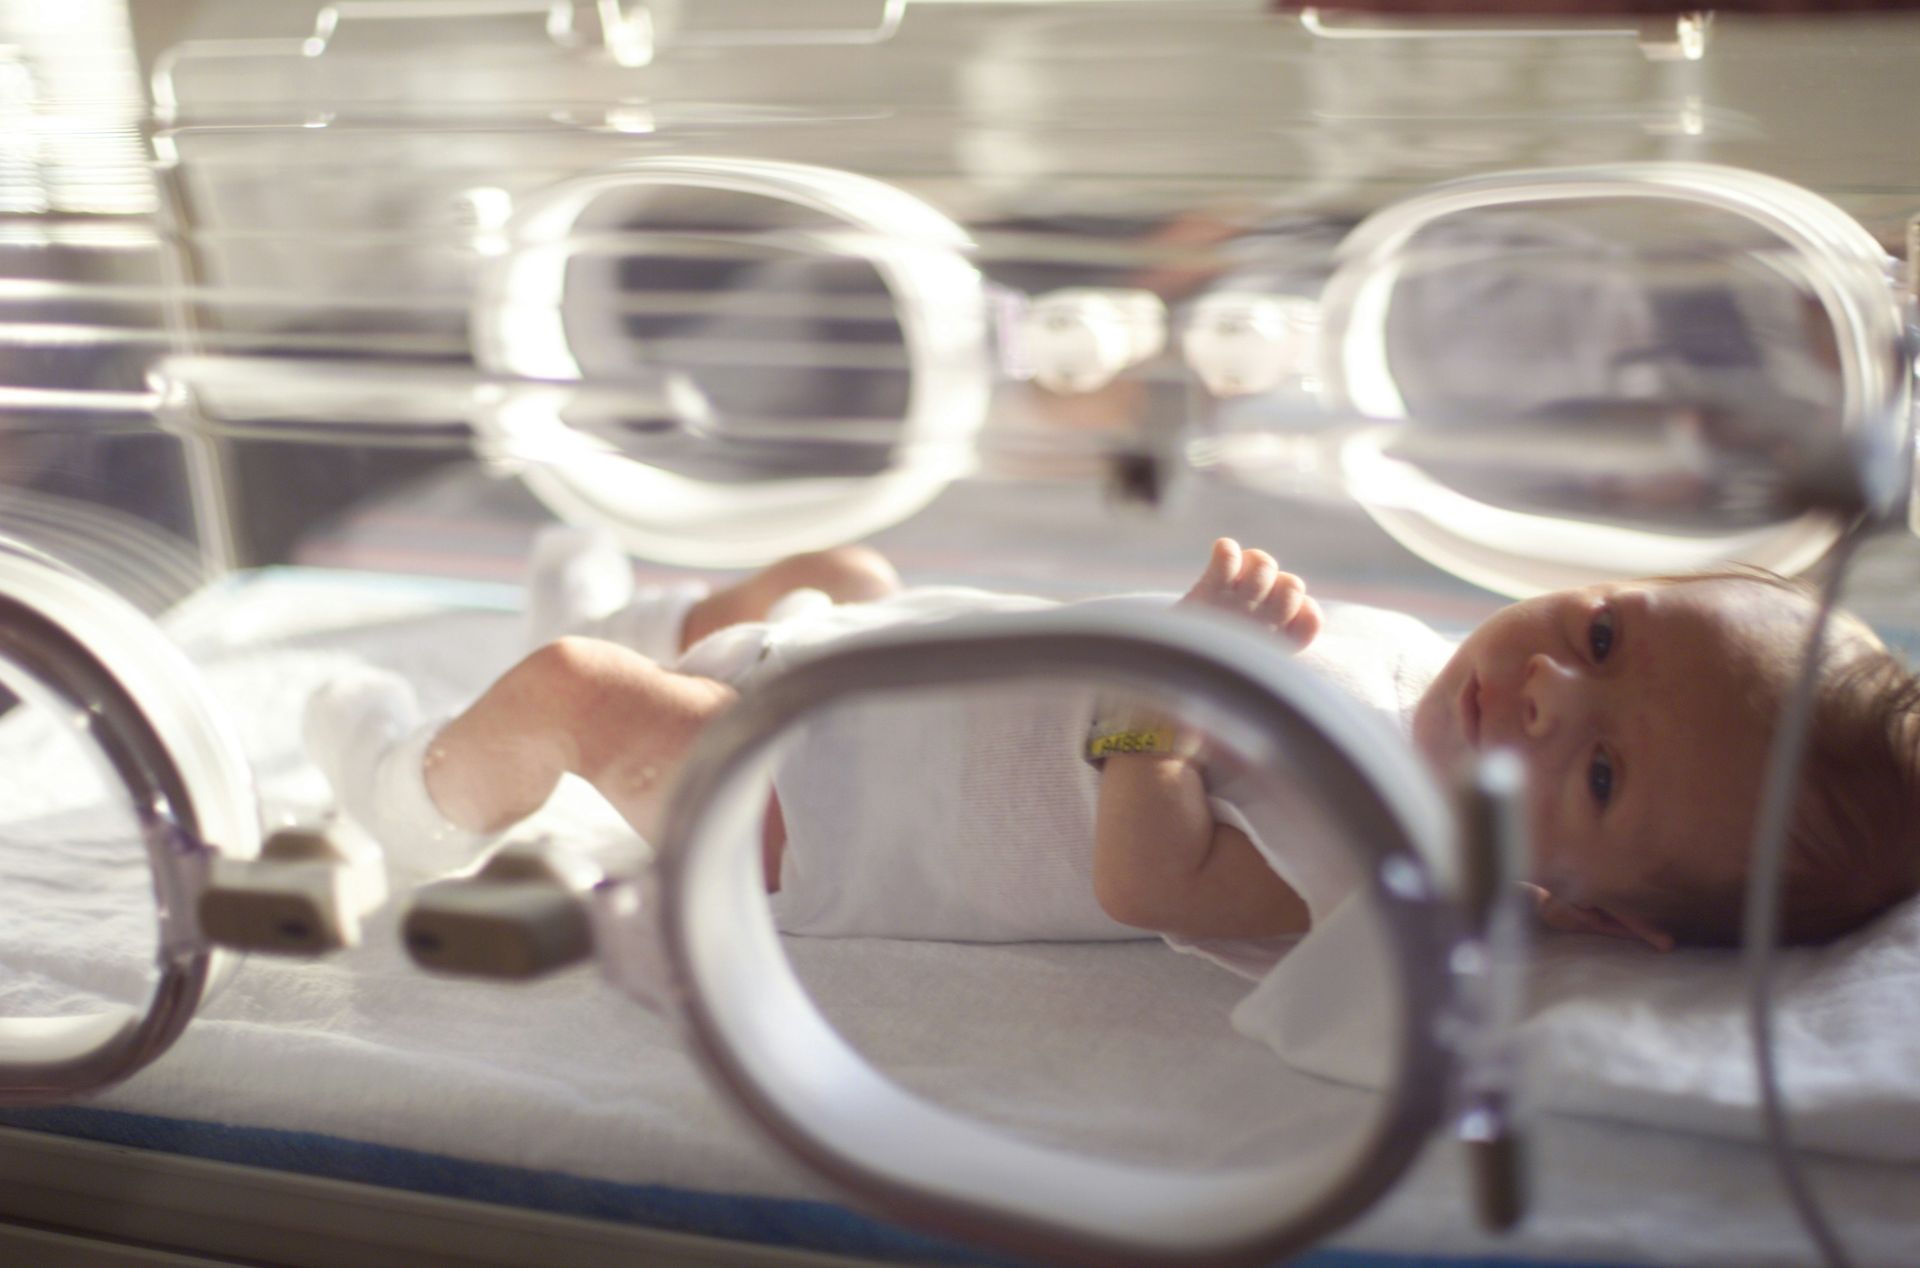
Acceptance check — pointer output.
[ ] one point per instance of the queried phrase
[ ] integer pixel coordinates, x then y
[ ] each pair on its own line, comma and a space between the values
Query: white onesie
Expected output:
969, 815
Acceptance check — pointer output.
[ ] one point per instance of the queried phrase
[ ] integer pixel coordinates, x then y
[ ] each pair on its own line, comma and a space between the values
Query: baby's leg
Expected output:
432, 794
580, 706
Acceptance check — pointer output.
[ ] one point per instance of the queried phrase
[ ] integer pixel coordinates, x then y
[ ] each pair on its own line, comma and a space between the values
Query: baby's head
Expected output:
1643, 712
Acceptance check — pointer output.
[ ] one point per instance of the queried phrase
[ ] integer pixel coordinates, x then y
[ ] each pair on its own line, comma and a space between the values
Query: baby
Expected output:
1642, 712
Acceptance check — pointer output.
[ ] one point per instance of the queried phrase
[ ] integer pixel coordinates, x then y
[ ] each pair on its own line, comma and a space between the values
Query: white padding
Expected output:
58, 1040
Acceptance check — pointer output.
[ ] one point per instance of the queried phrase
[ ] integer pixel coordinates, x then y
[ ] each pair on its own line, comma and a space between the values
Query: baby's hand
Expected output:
1250, 583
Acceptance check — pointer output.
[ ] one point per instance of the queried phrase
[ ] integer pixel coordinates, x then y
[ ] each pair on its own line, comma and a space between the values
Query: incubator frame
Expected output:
137, 701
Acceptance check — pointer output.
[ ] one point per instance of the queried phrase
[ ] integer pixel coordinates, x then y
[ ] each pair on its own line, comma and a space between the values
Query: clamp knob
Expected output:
1081, 339
1242, 344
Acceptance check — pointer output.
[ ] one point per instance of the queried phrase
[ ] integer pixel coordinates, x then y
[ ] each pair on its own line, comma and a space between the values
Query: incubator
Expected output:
318, 319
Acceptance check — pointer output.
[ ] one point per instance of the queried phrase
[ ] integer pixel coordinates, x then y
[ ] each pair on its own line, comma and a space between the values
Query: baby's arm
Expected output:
1161, 862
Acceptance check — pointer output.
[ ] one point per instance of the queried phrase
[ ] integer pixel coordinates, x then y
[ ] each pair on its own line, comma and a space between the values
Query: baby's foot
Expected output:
579, 581
365, 733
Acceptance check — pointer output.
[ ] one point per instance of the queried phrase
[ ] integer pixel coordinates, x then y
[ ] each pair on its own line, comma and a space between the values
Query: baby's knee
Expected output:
847, 574
574, 659
561, 682
598, 694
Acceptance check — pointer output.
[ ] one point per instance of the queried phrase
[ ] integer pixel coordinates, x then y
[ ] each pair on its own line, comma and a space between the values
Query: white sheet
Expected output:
1619, 1031
1124, 1048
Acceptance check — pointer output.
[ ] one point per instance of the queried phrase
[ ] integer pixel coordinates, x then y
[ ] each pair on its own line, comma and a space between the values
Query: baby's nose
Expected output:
1549, 693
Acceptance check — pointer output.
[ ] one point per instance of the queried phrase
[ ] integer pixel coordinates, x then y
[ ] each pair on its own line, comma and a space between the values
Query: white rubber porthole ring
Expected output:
1468, 538
184, 770
517, 330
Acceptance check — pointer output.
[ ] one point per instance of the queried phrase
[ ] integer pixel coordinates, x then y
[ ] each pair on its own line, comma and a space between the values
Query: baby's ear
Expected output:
1606, 921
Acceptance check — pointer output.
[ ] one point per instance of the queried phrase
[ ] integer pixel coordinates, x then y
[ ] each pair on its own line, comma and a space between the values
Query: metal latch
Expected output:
1488, 970
306, 894
525, 913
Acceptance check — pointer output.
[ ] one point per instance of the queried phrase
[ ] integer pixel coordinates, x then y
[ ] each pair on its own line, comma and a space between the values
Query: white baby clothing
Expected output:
969, 815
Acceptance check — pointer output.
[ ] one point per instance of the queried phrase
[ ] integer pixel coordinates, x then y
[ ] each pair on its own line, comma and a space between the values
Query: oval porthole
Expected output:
727, 360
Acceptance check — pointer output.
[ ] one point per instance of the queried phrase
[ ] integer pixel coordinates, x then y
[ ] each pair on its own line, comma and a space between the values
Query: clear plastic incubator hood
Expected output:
316, 321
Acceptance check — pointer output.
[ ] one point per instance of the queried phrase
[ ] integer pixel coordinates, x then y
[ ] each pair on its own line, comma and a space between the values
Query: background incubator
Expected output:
408, 279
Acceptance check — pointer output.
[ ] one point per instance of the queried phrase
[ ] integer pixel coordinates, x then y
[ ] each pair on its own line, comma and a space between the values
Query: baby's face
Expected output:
1636, 710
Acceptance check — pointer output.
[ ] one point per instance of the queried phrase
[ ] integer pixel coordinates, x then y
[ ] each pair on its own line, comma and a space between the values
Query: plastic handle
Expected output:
1681, 36
884, 27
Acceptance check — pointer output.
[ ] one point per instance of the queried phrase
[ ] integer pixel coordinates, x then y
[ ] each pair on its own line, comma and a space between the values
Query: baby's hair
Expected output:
1853, 847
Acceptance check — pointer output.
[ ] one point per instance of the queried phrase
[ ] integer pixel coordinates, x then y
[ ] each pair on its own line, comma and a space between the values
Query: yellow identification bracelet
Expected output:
1153, 739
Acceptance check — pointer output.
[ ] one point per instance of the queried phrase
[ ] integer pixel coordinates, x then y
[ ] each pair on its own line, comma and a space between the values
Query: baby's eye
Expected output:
1600, 778
1600, 634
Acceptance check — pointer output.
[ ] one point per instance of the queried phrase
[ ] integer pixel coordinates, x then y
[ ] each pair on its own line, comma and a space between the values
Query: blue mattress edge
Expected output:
789, 1223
